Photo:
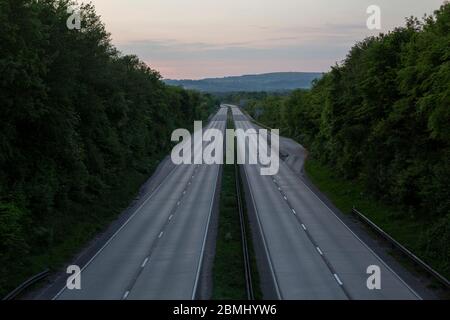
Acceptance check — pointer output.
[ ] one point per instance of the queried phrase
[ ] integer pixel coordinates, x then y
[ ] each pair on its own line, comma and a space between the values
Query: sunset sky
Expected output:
192, 39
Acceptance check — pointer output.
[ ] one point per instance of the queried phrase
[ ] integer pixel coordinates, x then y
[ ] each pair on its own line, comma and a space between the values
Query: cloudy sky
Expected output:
192, 39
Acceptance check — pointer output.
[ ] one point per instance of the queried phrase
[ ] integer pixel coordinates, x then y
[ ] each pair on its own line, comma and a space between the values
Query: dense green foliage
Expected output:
81, 127
382, 118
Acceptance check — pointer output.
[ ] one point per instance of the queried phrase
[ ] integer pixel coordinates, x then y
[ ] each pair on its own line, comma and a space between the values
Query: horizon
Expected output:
203, 39
168, 151
244, 75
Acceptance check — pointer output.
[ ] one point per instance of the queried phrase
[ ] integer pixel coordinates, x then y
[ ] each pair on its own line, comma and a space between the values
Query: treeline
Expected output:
81, 127
382, 117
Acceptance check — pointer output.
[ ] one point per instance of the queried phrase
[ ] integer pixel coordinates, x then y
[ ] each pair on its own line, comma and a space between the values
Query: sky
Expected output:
194, 39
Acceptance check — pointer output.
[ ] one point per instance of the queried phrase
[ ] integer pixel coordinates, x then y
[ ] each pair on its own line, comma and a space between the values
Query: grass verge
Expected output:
76, 232
228, 275
228, 270
411, 232
345, 194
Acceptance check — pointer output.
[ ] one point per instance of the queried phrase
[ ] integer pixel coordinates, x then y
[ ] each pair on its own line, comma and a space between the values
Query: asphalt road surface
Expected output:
157, 253
311, 253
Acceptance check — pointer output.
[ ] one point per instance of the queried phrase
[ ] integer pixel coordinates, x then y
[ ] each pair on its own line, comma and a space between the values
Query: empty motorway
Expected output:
309, 252
157, 253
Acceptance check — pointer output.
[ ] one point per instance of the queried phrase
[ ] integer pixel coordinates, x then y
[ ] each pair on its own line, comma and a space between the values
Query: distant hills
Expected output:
278, 81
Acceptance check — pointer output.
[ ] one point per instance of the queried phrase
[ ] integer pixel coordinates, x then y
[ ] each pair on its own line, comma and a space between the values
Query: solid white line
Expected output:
277, 289
125, 295
351, 231
362, 242
320, 251
337, 279
160, 235
199, 265
144, 263
304, 227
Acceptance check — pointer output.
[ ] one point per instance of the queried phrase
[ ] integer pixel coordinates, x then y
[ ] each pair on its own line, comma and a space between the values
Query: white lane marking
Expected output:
337, 279
320, 251
362, 242
144, 263
170, 217
199, 264
150, 196
184, 192
304, 227
161, 233
285, 198
279, 188
125, 295
293, 211
277, 288
178, 203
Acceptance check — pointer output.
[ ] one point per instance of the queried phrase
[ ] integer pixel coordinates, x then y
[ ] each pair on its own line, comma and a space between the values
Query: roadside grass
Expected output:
406, 229
228, 274
257, 293
76, 232
345, 194
228, 269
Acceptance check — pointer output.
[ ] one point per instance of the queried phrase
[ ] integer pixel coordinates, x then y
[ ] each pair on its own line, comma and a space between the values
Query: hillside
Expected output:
279, 81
